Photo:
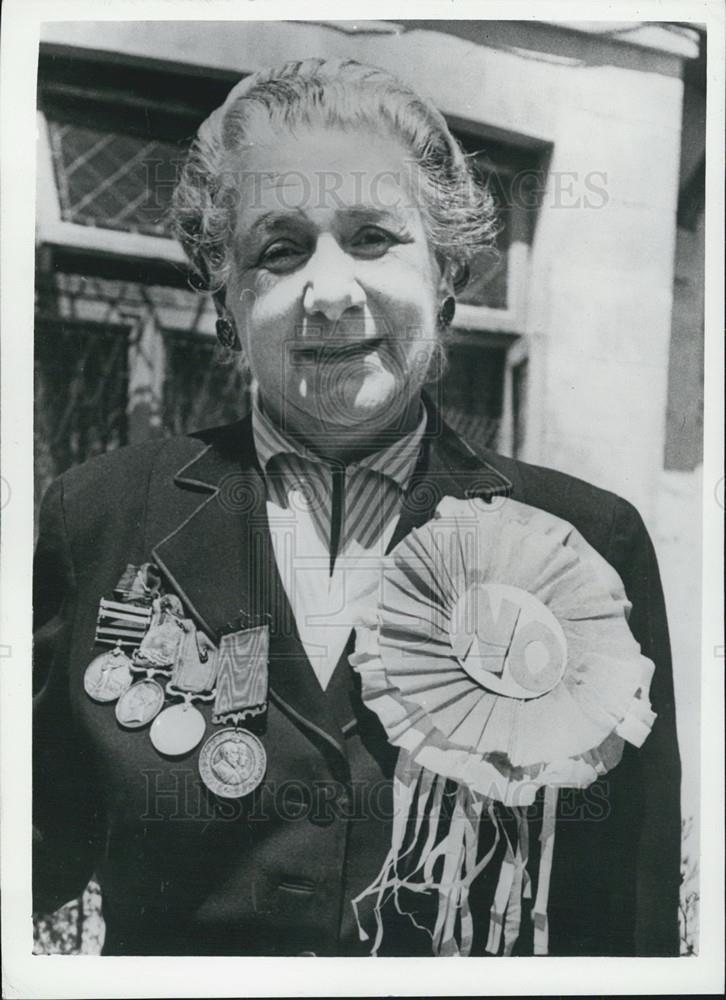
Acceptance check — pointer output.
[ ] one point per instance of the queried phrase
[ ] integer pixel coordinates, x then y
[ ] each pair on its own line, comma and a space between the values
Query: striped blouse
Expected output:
330, 523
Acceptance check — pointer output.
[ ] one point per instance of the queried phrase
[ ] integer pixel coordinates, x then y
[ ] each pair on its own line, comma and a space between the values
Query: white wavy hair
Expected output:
458, 212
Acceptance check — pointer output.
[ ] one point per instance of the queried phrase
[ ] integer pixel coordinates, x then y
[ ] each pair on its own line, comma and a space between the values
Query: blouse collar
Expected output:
396, 461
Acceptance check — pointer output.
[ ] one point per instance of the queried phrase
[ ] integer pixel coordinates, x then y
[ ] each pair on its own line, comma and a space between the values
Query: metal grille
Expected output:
199, 389
113, 180
471, 393
81, 390
478, 431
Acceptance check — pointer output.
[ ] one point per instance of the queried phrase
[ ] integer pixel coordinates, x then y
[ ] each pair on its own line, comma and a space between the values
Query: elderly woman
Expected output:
400, 730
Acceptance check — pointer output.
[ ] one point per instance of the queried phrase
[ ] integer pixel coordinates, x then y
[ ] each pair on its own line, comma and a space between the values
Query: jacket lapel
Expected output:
205, 558
447, 466
220, 560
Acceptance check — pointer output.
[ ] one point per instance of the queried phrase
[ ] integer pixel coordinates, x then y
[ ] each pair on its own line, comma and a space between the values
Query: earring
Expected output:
227, 335
446, 311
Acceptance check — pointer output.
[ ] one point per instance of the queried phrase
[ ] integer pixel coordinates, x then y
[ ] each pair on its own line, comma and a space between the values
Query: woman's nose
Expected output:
331, 286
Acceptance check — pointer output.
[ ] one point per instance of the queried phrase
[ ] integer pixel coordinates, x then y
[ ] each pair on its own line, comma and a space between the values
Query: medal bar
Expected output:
116, 607
126, 623
117, 616
113, 636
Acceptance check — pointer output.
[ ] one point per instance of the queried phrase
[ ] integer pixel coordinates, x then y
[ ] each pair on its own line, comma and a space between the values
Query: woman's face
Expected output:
334, 288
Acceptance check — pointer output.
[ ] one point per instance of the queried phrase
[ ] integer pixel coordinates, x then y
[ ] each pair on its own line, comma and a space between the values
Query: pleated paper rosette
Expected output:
499, 657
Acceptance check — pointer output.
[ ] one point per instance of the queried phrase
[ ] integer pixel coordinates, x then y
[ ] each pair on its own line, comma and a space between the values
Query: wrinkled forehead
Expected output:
323, 170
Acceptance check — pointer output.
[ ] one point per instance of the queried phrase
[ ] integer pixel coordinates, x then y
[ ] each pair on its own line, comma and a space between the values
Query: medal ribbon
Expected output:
138, 583
125, 622
242, 674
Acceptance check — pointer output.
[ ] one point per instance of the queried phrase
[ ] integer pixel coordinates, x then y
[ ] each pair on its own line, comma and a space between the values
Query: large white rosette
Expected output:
498, 657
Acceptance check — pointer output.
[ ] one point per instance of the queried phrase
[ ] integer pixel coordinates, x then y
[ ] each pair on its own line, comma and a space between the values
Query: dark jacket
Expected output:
183, 872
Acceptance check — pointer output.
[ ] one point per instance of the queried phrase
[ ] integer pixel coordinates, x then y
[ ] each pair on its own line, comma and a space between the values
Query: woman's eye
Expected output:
282, 255
372, 242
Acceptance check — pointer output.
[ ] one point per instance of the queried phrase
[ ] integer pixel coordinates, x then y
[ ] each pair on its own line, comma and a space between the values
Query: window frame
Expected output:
54, 230
526, 153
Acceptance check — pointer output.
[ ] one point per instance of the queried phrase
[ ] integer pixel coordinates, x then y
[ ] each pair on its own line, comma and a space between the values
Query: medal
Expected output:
162, 642
195, 668
108, 676
138, 706
179, 728
232, 763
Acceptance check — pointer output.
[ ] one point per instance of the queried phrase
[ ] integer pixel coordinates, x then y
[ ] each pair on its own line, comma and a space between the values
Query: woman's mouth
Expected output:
334, 352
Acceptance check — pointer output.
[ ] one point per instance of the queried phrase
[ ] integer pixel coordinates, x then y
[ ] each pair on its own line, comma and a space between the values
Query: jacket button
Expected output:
306, 954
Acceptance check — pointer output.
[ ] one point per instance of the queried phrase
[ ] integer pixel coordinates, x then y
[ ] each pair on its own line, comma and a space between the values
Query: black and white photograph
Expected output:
366, 453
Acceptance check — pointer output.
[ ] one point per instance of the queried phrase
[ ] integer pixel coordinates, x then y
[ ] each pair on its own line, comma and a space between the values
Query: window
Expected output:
81, 383
112, 133
470, 392
110, 180
485, 398
199, 391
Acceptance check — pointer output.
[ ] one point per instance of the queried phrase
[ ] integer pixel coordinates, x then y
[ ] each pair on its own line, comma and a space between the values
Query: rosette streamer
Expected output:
498, 658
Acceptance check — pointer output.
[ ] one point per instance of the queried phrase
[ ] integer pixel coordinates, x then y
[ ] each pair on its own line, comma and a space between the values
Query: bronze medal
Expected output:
232, 763
140, 704
108, 676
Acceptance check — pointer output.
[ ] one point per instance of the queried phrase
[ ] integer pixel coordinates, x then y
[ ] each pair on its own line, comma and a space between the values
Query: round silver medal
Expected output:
232, 763
178, 729
108, 676
140, 704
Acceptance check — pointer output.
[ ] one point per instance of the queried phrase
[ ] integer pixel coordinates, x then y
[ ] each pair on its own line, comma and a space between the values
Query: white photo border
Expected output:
25, 975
